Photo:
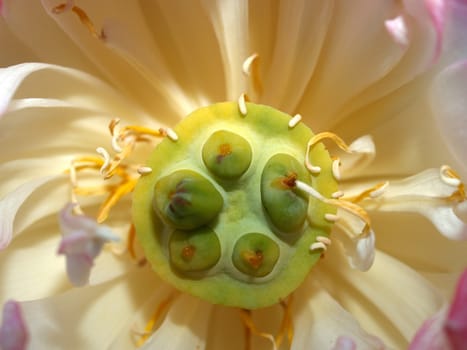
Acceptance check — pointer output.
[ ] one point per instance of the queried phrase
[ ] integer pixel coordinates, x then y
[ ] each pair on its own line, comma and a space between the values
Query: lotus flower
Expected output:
384, 80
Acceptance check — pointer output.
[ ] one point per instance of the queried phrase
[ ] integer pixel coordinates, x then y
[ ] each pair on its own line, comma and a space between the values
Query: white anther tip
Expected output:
172, 134
331, 217
144, 170
242, 104
317, 245
295, 120
246, 66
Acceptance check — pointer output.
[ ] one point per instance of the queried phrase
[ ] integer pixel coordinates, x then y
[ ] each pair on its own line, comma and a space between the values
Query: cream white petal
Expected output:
40, 80
12, 48
301, 29
189, 45
225, 323
230, 21
12, 202
133, 331
319, 320
184, 327
360, 251
23, 278
116, 61
88, 318
449, 105
390, 299
47, 43
353, 58
415, 241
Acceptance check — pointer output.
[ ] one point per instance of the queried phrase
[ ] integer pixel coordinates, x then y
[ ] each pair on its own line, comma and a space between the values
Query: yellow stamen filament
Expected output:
250, 68
350, 207
372, 192
125, 187
250, 325
286, 325
83, 17
318, 138
154, 321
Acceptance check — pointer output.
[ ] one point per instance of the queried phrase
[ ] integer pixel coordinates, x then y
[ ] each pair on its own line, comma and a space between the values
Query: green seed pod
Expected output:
226, 154
187, 200
286, 206
255, 254
195, 250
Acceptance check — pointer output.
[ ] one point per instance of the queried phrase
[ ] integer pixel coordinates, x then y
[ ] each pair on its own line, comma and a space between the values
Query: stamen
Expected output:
331, 217
449, 177
131, 240
324, 239
250, 68
153, 321
144, 170
317, 246
337, 194
379, 191
318, 138
297, 118
82, 15
249, 324
372, 192
335, 169
124, 188
287, 323
172, 134
242, 104
103, 152
343, 204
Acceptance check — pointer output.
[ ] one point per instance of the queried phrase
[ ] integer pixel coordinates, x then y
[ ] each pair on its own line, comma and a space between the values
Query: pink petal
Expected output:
13, 332
344, 343
82, 242
456, 323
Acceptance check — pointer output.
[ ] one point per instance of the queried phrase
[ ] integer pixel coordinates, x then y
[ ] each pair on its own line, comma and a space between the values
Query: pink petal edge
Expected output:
456, 323
13, 331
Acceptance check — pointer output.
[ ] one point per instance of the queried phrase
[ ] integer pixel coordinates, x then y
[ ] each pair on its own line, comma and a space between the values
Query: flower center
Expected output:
223, 214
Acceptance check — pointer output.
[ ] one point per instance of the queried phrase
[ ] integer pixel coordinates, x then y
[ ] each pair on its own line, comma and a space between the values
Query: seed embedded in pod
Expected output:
193, 251
285, 205
255, 254
187, 200
227, 155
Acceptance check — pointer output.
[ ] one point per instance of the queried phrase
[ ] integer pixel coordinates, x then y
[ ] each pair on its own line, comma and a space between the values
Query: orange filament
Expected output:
286, 327
131, 241
251, 327
287, 324
154, 321
83, 17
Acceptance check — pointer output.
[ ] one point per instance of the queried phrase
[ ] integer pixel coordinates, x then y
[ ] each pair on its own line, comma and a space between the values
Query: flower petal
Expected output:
360, 251
353, 59
70, 318
456, 322
449, 106
300, 34
43, 39
230, 21
13, 331
82, 242
394, 318
11, 203
319, 321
